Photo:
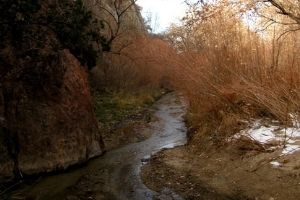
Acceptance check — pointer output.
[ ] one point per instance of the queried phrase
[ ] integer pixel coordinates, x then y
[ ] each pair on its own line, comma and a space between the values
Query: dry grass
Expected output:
227, 72
134, 68
235, 74
238, 76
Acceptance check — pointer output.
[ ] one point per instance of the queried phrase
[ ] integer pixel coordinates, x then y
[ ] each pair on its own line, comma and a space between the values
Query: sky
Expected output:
162, 12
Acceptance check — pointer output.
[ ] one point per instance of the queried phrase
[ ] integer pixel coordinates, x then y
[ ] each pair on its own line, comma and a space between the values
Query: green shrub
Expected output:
77, 30
71, 22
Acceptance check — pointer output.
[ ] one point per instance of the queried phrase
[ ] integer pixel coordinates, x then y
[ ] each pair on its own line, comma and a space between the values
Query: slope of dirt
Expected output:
199, 173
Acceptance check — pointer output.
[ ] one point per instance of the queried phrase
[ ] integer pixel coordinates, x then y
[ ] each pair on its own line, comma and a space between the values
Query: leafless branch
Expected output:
284, 11
287, 32
116, 15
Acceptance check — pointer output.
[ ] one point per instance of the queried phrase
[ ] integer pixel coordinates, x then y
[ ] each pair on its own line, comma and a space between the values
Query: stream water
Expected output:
116, 175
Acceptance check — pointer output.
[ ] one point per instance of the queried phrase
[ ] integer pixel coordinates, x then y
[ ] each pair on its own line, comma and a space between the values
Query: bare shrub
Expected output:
138, 66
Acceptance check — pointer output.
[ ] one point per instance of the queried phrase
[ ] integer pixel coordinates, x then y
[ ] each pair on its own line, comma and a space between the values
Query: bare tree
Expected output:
114, 14
285, 13
287, 8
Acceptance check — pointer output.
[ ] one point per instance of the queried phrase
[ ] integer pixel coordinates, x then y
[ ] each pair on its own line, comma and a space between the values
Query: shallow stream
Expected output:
116, 175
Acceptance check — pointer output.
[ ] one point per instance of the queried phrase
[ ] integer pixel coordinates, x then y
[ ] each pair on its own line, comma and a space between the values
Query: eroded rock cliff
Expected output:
47, 121
46, 133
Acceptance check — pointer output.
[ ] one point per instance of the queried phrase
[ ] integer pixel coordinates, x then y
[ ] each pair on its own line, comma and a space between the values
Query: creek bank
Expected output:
203, 171
121, 115
116, 174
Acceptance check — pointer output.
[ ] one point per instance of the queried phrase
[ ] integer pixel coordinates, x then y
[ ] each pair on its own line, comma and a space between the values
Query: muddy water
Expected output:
116, 174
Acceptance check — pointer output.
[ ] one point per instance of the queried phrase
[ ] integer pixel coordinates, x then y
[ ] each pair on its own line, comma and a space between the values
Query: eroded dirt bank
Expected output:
116, 175
202, 172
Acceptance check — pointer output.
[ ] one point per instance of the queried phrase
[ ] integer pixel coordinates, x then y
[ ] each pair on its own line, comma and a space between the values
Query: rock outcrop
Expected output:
130, 20
42, 134
122, 21
47, 122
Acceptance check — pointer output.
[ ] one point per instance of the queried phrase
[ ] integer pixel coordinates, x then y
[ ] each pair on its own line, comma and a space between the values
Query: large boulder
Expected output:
47, 121
49, 126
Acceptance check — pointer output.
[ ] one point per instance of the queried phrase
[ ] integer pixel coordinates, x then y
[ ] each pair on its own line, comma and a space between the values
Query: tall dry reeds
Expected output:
227, 71
138, 66
234, 74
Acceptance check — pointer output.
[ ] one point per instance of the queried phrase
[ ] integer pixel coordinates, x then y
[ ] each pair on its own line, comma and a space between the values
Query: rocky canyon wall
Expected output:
47, 122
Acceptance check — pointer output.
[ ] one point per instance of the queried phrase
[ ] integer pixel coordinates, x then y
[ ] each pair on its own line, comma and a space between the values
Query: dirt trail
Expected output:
116, 175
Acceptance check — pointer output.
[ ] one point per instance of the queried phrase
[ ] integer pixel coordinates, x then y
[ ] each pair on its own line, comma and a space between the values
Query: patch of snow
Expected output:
290, 141
273, 148
262, 134
292, 132
275, 121
290, 149
289, 137
295, 120
275, 164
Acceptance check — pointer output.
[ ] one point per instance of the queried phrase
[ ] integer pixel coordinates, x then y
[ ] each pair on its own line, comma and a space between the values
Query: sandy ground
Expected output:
227, 172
